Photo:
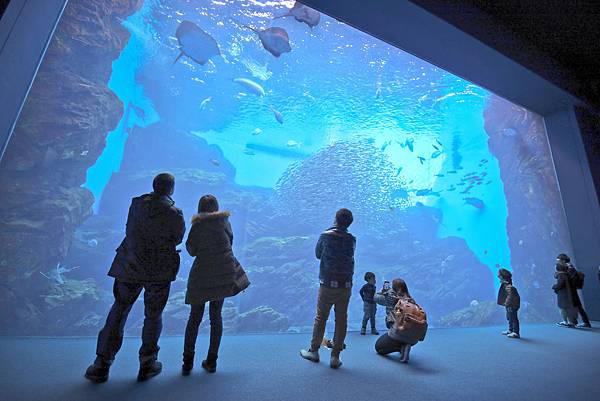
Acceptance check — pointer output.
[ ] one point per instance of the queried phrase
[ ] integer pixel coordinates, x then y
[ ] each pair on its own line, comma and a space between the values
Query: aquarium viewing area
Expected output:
456, 162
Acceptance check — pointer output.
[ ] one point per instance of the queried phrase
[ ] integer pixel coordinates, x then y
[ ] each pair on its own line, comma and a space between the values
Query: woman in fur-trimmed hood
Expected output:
215, 275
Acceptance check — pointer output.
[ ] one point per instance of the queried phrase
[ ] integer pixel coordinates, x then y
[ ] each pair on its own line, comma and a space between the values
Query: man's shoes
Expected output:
312, 356
149, 370
374, 332
335, 362
583, 325
513, 335
329, 344
98, 371
564, 324
405, 353
186, 368
363, 331
209, 366
506, 332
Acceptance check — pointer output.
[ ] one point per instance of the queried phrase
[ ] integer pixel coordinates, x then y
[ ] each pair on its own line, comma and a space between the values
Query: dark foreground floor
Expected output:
549, 363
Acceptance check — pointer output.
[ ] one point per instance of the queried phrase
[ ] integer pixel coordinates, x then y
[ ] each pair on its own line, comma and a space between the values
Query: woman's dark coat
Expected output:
563, 290
216, 273
572, 273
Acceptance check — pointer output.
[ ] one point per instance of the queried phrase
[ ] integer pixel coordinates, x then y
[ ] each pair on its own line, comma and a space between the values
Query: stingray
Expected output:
305, 14
275, 40
195, 43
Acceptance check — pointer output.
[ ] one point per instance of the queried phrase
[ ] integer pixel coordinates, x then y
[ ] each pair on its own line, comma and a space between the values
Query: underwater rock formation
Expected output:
262, 319
60, 134
536, 224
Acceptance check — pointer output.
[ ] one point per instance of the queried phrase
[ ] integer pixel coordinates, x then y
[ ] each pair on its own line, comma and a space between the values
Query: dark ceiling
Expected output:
3, 5
558, 39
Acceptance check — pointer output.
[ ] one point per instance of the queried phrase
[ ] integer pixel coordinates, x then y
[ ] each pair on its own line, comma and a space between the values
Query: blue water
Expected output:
337, 84
138, 109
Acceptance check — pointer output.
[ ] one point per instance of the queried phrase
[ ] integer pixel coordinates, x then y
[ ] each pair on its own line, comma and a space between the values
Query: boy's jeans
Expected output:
369, 314
339, 298
513, 320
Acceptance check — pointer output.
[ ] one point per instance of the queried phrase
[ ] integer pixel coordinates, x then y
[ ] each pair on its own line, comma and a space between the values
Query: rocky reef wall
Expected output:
60, 134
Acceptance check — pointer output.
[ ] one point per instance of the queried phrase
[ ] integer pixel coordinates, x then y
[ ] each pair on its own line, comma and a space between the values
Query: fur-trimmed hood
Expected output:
224, 215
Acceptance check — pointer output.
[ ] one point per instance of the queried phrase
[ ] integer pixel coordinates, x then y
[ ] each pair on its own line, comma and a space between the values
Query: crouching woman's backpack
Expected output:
409, 322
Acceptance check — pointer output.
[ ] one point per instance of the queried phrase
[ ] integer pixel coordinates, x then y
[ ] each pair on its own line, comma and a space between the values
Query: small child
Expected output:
508, 296
367, 292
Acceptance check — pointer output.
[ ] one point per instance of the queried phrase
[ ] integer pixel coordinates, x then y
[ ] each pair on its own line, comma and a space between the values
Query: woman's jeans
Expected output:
216, 330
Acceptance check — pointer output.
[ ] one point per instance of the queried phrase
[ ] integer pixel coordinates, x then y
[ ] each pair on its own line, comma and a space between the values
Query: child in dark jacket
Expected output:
367, 292
508, 296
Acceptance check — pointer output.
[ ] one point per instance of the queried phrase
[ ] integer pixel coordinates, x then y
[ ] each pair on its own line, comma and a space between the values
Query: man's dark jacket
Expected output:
147, 254
335, 249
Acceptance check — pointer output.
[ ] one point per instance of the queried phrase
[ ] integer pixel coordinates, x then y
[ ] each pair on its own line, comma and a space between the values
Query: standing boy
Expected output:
367, 292
508, 296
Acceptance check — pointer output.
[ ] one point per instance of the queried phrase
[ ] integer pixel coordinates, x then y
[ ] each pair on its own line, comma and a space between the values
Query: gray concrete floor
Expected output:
548, 363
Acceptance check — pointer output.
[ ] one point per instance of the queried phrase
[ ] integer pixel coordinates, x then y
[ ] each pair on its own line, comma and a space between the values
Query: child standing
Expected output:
508, 296
367, 292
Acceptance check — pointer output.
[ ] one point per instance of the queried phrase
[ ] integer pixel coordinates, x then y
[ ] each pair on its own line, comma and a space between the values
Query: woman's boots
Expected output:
210, 363
188, 364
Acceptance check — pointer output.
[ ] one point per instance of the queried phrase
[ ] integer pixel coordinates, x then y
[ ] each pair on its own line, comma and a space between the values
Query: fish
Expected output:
475, 202
302, 13
439, 175
56, 274
435, 147
275, 40
421, 159
385, 145
292, 144
436, 154
257, 131
451, 172
409, 143
278, 115
250, 86
438, 141
195, 43
423, 192
249, 152
378, 93
92, 243
215, 162
398, 171
289, 153
205, 102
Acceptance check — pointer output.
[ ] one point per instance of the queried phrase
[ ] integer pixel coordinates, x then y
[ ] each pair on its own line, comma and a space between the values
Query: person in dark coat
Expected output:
215, 275
146, 259
335, 249
508, 296
573, 278
387, 344
564, 296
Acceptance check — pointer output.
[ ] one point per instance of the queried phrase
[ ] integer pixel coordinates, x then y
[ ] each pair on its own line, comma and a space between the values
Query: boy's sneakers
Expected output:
312, 356
565, 324
513, 335
506, 332
98, 371
583, 325
363, 331
335, 362
374, 332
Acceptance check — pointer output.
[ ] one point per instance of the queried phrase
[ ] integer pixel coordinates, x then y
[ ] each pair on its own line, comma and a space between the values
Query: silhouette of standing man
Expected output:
146, 259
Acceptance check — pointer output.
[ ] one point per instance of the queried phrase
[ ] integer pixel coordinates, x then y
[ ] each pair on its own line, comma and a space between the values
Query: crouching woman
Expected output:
406, 321
215, 275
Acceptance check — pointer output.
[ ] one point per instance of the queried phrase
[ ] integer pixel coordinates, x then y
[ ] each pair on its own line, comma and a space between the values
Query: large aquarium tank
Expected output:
285, 115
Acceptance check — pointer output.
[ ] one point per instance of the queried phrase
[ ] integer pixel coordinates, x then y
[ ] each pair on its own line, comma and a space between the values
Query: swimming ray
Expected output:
195, 43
